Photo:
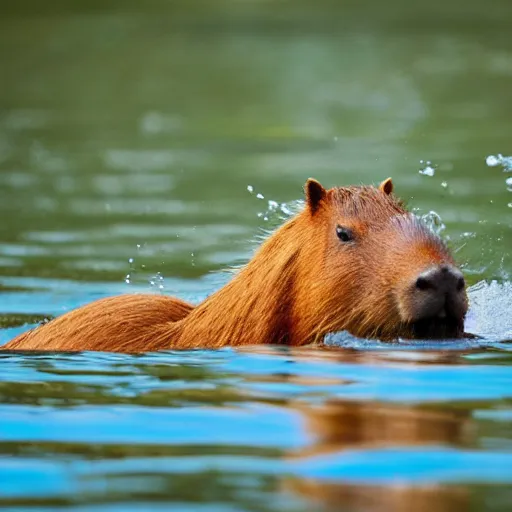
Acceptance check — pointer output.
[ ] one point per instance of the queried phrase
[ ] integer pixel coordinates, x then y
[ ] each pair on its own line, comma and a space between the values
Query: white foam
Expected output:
490, 311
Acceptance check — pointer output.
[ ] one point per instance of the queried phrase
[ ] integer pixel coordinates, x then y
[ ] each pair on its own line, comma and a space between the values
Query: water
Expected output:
144, 146
257, 429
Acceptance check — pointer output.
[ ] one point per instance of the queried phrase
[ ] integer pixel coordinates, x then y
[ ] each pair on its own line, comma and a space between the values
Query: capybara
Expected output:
353, 259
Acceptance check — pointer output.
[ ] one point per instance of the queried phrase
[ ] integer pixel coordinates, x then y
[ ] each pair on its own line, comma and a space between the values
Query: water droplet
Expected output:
434, 222
499, 159
428, 170
493, 161
157, 281
130, 260
285, 209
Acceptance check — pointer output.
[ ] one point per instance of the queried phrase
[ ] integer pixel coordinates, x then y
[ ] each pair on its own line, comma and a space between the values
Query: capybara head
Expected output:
379, 270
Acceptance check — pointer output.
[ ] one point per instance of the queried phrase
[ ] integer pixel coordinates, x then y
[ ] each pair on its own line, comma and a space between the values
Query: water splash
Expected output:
275, 211
413, 348
428, 168
500, 160
279, 212
157, 281
506, 163
490, 307
433, 221
128, 278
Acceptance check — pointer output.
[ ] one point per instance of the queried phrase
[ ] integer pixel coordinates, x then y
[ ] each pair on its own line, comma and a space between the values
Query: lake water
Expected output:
144, 145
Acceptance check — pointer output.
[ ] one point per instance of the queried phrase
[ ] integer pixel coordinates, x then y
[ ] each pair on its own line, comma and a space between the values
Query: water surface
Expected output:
144, 145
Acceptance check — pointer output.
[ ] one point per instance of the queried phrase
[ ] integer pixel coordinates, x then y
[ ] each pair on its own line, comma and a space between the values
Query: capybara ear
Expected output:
315, 194
386, 186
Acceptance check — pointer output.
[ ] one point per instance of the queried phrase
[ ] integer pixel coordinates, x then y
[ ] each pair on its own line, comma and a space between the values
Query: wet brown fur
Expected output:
113, 324
300, 285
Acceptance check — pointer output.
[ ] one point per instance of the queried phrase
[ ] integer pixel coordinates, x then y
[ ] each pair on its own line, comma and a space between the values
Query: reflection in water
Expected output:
341, 425
261, 428
391, 498
344, 425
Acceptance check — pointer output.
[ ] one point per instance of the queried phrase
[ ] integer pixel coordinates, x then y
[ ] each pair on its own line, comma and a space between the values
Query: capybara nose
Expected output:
440, 292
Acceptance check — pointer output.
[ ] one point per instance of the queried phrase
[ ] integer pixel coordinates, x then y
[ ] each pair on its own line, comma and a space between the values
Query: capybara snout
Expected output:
437, 303
430, 289
440, 293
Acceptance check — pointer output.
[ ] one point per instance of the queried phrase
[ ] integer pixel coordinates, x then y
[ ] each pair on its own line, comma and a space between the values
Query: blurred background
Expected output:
144, 145
127, 124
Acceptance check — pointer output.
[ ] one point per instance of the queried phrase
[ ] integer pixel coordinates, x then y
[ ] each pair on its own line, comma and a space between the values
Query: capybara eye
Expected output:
344, 234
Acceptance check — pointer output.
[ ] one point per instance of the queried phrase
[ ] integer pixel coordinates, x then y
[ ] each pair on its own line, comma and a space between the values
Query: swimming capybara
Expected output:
353, 259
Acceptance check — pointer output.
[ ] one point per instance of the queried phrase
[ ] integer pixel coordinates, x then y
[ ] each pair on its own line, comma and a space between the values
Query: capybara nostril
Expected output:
444, 278
423, 283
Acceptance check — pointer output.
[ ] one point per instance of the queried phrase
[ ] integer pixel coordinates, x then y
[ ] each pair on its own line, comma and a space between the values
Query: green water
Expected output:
130, 132
124, 124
